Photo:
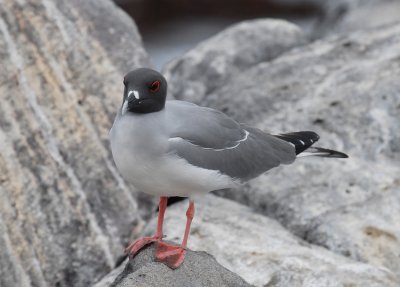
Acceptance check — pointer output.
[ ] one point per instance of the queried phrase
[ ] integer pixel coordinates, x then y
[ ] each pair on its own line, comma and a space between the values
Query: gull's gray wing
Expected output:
202, 126
209, 139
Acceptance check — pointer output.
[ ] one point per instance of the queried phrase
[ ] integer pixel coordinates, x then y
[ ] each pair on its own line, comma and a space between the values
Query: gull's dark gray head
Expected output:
145, 91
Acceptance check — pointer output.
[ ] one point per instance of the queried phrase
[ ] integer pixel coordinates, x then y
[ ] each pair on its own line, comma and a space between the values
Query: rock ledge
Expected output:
199, 268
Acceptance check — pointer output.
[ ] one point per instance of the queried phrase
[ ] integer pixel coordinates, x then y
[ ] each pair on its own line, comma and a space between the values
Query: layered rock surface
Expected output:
198, 269
65, 212
344, 16
352, 15
346, 89
229, 52
259, 249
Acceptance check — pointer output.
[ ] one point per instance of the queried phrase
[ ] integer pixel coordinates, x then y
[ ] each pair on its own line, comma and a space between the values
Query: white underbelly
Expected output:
139, 147
169, 175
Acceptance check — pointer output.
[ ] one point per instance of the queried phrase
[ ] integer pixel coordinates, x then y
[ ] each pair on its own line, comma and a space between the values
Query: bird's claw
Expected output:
171, 255
137, 245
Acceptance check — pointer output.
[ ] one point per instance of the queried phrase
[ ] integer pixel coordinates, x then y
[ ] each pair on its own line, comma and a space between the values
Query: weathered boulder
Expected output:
329, 17
367, 231
198, 269
109, 279
260, 250
212, 63
345, 88
65, 212
354, 15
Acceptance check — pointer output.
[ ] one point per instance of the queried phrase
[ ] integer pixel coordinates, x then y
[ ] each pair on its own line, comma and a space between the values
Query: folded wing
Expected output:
210, 139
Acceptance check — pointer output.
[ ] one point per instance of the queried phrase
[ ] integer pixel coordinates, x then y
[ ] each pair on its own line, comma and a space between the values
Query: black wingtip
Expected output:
301, 140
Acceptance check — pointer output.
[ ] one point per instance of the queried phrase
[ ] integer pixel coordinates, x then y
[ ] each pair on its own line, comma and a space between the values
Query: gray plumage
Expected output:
202, 126
209, 139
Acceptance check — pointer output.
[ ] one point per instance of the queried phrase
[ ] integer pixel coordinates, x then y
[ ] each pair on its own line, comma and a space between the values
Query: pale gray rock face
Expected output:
261, 251
358, 232
345, 88
363, 15
199, 269
345, 16
213, 62
65, 212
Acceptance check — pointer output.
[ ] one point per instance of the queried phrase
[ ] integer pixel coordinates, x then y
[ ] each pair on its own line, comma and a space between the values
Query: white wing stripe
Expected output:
219, 149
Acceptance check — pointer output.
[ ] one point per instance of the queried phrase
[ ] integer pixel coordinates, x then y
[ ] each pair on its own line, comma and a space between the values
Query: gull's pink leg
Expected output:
161, 212
172, 255
189, 216
135, 246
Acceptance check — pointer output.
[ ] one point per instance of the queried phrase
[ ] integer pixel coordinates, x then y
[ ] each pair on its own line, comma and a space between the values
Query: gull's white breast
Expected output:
139, 145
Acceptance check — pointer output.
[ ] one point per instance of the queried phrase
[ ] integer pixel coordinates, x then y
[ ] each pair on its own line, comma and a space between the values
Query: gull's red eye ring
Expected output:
155, 86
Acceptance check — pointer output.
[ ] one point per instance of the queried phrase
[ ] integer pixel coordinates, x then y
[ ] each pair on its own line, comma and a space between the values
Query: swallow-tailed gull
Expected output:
176, 148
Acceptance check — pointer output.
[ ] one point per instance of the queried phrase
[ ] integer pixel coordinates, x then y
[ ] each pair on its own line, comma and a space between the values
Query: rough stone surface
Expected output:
199, 269
109, 279
212, 63
358, 232
329, 17
65, 213
362, 15
263, 252
345, 88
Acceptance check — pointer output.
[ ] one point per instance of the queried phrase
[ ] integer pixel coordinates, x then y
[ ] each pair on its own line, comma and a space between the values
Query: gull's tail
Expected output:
323, 152
303, 141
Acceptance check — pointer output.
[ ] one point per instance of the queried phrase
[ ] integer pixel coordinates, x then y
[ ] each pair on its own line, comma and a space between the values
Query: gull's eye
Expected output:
155, 86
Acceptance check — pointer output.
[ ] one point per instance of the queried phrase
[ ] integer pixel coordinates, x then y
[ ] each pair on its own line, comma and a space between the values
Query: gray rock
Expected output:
367, 231
199, 269
65, 212
345, 88
329, 17
263, 252
345, 16
109, 279
212, 63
